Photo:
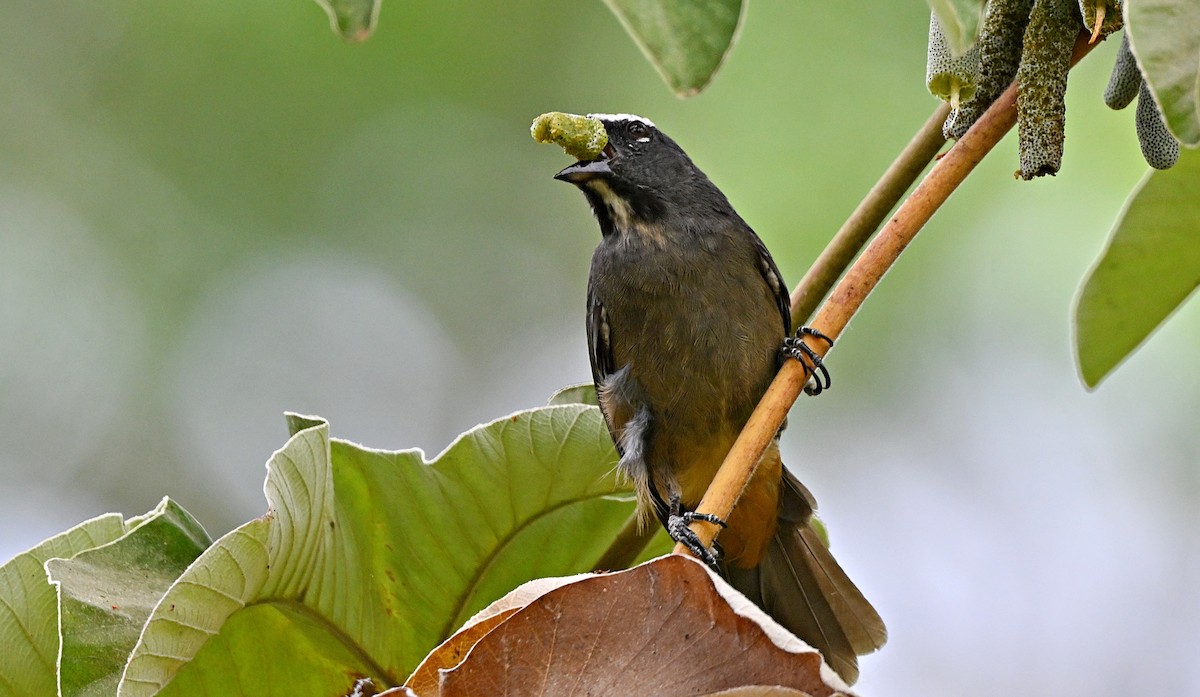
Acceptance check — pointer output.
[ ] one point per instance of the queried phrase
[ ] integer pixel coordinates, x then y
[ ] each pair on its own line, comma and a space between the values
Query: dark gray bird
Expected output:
687, 316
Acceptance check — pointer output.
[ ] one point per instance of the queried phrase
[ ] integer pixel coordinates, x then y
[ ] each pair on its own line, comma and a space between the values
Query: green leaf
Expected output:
368, 559
302, 657
1151, 265
960, 22
1165, 37
685, 40
105, 595
29, 608
353, 20
583, 393
224, 579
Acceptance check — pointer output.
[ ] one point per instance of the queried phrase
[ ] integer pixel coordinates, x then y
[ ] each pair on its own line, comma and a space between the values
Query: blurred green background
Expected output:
212, 212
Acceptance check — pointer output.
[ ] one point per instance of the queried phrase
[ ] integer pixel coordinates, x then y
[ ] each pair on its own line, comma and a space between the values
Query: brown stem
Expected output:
867, 217
848, 296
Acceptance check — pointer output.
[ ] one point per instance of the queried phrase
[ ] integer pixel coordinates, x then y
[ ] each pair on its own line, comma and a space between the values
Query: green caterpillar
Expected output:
581, 137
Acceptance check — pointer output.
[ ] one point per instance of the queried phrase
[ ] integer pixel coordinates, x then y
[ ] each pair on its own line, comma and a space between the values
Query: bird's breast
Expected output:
696, 325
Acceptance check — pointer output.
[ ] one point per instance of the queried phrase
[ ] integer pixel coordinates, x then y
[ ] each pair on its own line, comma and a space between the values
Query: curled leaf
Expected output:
367, 559
567, 640
29, 629
105, 594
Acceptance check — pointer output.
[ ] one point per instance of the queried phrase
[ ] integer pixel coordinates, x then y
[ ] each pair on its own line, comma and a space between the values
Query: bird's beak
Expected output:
588, 169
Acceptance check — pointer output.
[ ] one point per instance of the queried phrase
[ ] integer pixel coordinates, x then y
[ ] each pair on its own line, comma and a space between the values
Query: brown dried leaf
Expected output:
666, 627
451, 652
760, 691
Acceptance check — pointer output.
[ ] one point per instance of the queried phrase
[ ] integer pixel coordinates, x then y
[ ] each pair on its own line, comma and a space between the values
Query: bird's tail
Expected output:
803, 588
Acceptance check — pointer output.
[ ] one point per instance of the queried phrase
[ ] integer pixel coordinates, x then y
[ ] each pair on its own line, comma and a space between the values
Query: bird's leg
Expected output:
677, 528
794, 347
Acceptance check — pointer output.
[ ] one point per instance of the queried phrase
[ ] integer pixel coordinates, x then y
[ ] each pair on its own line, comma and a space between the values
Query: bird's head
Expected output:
642, 177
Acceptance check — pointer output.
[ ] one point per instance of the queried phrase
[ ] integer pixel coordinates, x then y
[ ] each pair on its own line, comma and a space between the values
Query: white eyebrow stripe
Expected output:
623, 117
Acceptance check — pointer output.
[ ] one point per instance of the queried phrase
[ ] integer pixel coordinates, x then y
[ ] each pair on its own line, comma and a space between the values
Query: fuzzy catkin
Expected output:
950, 78
1000, 40
1159, 145
1126, 79
1041, 103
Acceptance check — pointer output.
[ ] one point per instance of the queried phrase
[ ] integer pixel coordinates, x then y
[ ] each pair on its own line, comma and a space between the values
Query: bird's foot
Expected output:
794, 347
677, 528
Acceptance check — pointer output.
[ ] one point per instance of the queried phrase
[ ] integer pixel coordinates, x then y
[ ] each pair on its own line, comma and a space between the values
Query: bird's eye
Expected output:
637, 129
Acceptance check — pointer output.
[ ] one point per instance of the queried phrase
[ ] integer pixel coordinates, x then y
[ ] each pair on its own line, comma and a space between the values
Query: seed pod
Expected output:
1041, 104
1000, 40
1101, 17
949, 77
1126, 79
1159, 145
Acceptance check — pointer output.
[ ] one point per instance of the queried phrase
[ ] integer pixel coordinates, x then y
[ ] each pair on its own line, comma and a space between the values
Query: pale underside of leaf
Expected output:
376, 556
685, 40
959, 20
1150, 267
1165, 37
106, 594
29, 607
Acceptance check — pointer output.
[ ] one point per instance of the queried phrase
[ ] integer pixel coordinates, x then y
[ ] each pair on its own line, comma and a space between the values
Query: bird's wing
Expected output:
770, 273
600, 354
627, 422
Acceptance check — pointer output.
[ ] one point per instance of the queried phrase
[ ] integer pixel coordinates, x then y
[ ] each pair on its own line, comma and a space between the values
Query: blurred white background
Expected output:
212, 213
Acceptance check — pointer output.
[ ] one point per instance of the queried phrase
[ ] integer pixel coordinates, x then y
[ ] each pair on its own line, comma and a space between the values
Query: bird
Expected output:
688, 321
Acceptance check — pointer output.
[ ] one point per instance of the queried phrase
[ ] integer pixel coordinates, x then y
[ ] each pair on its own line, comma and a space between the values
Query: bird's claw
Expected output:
794, 347
677, 528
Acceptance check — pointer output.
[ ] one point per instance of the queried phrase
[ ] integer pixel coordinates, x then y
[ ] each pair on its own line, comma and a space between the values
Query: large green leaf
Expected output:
105, 595
367, 559
273, 648
1151, 265
29, 608
686, 40
353, 20
960, 22
1165, 37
